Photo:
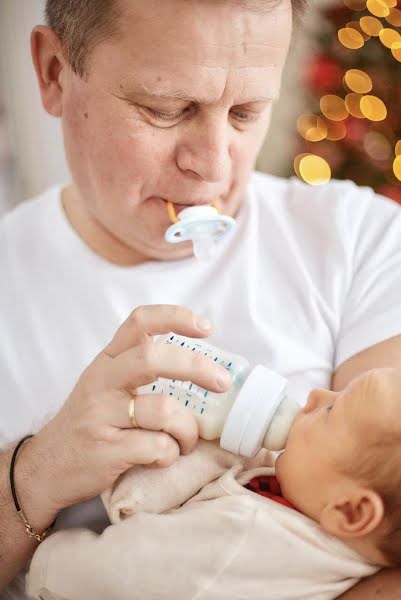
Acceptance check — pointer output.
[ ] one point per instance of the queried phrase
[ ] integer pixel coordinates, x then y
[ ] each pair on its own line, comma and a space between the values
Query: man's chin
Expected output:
171, 252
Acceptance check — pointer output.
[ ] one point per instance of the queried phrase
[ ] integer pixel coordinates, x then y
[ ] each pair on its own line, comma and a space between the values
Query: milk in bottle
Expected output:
254, 412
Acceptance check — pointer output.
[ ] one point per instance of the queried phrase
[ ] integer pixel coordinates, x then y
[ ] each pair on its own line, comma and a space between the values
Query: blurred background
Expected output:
339, 114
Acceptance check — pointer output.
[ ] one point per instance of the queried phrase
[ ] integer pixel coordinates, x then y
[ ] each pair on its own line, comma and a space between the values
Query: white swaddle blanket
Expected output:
143, 489
225, 542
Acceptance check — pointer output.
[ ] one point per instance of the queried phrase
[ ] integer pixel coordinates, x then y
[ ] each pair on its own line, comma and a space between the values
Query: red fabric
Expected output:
269, 487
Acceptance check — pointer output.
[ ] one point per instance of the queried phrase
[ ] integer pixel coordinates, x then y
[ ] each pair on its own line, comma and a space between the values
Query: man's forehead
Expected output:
209, 34
204, 51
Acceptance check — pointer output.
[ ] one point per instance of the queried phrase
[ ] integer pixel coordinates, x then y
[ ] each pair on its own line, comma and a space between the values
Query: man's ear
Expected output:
353, 515
49, 62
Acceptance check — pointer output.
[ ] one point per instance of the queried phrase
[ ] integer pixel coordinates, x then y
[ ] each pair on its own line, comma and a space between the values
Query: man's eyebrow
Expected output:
167, 94
178, 94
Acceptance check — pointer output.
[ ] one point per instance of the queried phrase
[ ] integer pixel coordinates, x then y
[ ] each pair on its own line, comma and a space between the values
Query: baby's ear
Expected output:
356, 514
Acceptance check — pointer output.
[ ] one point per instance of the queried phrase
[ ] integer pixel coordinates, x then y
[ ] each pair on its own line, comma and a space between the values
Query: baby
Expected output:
342, 464
338, 520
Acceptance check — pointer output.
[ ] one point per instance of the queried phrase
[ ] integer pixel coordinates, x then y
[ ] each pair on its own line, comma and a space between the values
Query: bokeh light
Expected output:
373, 108
377, 146
371, 25
357, 26
378, 8
396, 51
312, 128
355, 4
390, 38
297, 160
394, 18
358, 81
353, 104
314, 169
333, 107
358, 87
351, 38
397, 167
336, 130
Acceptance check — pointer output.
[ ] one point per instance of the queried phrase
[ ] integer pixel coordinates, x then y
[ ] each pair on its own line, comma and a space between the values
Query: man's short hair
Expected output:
82, 25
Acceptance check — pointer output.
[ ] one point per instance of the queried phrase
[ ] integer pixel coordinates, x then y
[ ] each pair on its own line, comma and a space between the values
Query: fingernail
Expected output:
203, 324
223, 379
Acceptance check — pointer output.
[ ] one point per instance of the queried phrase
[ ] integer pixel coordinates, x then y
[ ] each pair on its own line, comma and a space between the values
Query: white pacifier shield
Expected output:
198, 222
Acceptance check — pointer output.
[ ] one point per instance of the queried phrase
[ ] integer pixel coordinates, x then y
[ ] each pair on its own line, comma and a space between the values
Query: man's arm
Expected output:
385, 354
16, 548
387, 583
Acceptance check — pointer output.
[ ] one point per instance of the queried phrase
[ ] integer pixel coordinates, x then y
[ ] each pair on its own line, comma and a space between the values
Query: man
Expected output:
169, 101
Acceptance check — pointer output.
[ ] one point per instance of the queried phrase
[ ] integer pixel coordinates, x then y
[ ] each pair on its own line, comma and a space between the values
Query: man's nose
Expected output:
318, 398
205, 152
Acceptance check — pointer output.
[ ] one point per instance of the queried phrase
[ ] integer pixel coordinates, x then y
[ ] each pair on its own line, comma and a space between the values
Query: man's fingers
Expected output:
147, 321
142, 447
157, 413
145, 363
163, 413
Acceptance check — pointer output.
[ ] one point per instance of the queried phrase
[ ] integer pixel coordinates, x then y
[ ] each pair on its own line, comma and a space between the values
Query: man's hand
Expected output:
90, 442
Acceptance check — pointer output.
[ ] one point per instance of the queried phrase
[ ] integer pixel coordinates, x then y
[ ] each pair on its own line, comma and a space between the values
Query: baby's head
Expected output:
342, 464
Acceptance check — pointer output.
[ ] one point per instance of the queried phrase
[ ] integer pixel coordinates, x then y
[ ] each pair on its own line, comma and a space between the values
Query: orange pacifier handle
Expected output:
171, 212
173, 215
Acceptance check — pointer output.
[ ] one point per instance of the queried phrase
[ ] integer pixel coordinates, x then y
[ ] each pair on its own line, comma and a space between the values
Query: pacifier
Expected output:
203, 225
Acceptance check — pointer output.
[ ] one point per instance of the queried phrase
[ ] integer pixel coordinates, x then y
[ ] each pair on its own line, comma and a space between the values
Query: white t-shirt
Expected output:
310, 277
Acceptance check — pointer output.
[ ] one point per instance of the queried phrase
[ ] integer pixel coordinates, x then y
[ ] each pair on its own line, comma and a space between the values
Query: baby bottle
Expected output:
254, 413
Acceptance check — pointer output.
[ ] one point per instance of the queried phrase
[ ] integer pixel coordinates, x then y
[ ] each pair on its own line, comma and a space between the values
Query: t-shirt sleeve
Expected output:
178, 554
372, 303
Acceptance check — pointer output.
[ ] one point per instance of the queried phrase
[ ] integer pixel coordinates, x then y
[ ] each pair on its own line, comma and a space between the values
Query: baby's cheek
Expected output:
285, 467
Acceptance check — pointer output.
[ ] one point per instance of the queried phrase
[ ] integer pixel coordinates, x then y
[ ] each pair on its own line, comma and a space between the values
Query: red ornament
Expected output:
323, 74
356, 131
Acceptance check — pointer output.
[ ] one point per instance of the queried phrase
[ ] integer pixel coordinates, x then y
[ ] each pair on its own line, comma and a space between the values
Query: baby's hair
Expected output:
379, 468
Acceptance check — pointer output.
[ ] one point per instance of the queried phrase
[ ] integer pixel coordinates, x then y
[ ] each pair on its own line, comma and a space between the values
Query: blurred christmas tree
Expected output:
353, 84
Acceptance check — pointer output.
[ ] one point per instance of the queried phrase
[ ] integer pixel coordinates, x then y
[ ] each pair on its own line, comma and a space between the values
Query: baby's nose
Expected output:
318, 398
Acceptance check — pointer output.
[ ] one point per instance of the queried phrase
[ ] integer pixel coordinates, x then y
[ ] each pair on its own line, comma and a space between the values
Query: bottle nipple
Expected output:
281, 423
203, 225
261, 416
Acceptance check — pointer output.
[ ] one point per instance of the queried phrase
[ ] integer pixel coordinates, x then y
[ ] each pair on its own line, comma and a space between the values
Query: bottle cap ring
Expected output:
253, 411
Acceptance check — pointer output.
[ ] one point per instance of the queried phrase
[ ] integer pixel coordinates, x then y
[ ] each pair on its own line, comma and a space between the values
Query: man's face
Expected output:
174, 109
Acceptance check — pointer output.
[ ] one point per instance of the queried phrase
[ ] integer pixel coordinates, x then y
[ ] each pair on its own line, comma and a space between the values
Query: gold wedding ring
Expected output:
131, 413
